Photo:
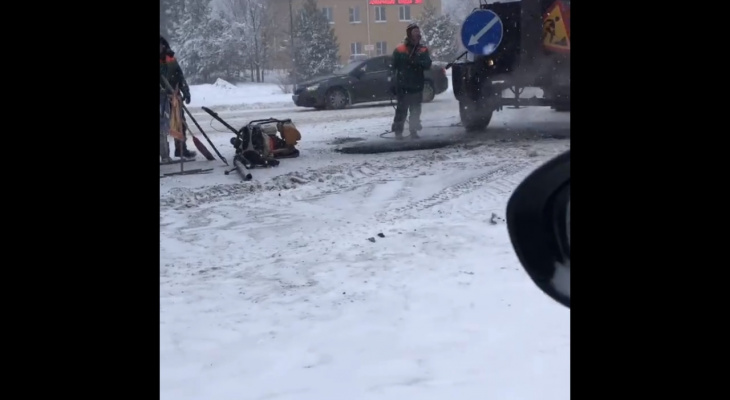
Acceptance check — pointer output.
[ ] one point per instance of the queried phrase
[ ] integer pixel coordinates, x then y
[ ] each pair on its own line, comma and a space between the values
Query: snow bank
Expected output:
252, 95
223, 84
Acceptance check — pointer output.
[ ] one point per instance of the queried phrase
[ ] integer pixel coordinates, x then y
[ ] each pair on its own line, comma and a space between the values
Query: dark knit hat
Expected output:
166, 50
411, 27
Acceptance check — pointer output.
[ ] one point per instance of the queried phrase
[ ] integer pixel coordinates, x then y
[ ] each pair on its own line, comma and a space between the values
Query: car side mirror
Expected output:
538, 221
358, 73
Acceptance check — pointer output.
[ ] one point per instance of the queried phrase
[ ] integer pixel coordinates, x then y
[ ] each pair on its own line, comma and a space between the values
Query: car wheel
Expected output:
428, 92
337, 99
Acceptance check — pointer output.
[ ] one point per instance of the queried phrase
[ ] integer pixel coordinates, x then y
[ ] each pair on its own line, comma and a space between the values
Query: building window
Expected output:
355, 15
355, 48
327, 11
405, 13
380, 14
381, 48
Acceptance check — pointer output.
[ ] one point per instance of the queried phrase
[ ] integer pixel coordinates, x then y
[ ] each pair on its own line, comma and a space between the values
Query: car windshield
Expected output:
348, 68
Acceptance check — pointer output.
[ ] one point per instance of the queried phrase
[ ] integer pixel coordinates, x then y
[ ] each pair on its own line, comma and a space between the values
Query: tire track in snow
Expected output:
497, 181
326, 180
350, 176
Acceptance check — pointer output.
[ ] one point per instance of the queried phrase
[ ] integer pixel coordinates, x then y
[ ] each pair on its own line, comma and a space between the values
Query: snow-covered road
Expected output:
339, 276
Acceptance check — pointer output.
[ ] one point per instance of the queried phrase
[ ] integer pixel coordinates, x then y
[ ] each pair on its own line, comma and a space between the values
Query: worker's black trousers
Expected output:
408, 103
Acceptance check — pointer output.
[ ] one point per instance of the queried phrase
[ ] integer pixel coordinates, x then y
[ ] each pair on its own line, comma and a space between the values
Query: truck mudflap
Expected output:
458, 79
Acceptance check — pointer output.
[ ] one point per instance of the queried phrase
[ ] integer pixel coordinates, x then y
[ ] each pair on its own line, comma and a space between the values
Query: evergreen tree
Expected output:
315, 44
439, 32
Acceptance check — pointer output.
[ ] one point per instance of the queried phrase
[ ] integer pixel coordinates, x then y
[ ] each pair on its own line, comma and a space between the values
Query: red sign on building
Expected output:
394, 2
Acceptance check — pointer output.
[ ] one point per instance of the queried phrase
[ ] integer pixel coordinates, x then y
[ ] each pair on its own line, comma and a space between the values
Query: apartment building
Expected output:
364, 28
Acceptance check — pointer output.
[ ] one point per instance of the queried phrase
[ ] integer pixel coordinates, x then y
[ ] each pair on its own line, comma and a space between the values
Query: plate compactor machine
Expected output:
261, 143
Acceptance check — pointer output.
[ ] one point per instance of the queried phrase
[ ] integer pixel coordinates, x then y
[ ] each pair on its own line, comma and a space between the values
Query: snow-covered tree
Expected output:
207, 45
251, 21
171, 12
315, 44
460, 9
439, 31
201, 42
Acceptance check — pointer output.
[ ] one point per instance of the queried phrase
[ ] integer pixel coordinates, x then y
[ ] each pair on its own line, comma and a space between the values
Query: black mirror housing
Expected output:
538, 221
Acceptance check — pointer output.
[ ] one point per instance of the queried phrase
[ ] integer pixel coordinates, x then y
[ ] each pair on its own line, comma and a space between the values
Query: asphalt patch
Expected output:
555, 136
391, 146
343, 140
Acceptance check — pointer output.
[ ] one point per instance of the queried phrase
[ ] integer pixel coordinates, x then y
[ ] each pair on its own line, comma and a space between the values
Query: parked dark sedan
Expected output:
361, 82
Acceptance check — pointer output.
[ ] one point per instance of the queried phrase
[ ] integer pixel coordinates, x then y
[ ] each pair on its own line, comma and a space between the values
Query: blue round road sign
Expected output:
482, 32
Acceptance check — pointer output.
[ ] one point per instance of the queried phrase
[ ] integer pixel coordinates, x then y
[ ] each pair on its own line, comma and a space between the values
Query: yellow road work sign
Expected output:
556, 28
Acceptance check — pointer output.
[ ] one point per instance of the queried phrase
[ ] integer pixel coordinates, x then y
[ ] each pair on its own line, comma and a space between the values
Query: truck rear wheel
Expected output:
475, 116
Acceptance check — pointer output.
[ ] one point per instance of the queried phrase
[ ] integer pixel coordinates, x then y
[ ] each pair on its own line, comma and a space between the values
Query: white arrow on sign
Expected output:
475, 38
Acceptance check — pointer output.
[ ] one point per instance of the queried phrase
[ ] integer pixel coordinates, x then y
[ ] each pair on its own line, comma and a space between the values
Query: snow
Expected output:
252, 95
271, 289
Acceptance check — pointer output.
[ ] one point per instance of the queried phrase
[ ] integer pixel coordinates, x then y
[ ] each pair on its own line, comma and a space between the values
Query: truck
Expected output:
513, 45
